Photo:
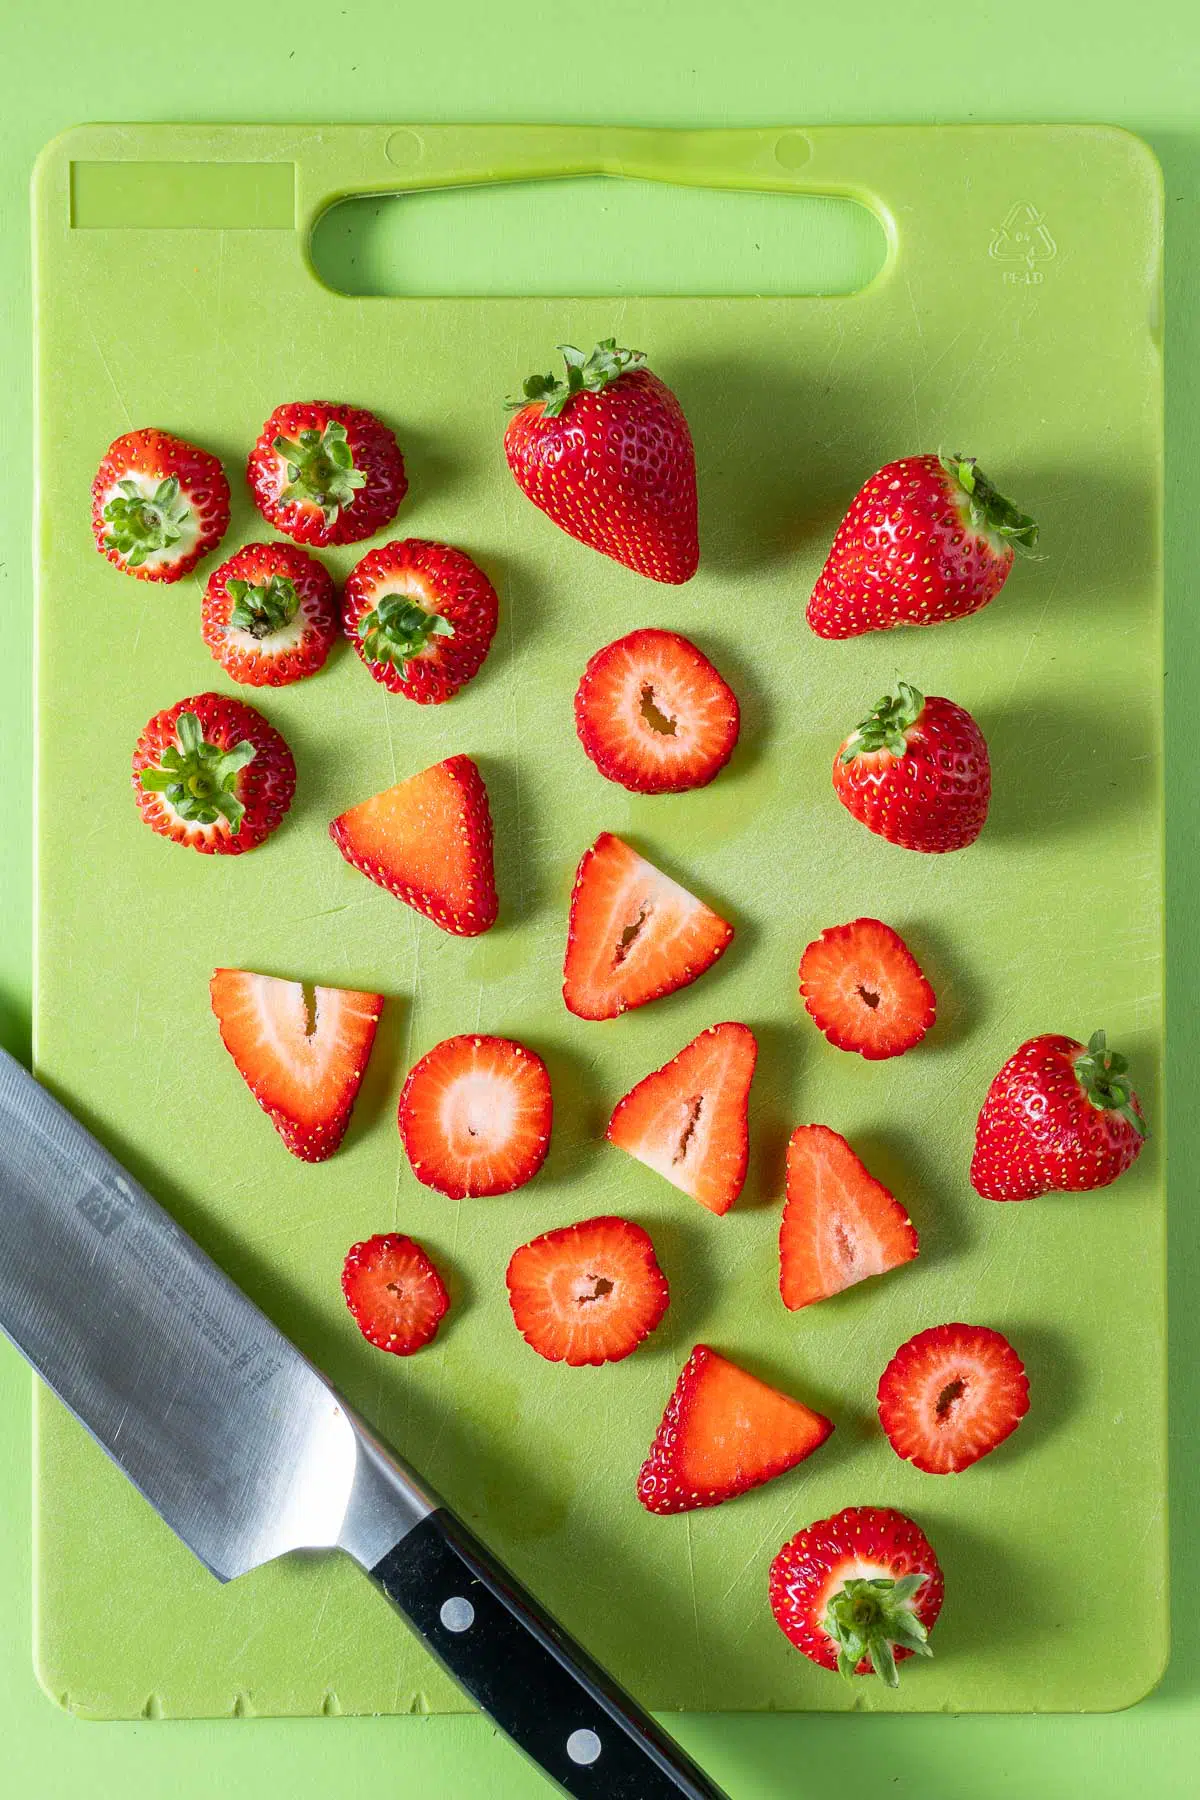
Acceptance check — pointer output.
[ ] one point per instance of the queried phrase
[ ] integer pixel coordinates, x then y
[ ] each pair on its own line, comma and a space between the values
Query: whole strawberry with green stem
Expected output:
607, 455
926, 539
1059, 1118
916, 772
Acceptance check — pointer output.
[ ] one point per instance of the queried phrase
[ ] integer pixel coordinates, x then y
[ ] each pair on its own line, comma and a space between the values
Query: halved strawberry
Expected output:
688, 1120
587, 1293
950, 1395
428, 841
723, 1431
654, 715
839, 1224
158, 505
634, 934
397, 1297
421, 616
475, 1116
301, 1051
211, 773
864, 987
323, 473
859, 1592
269, 615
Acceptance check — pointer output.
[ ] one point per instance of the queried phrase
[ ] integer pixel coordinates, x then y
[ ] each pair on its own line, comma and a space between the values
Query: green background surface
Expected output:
789, 63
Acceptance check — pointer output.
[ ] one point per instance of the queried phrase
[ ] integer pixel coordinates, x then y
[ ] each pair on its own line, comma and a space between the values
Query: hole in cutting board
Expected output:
597, 235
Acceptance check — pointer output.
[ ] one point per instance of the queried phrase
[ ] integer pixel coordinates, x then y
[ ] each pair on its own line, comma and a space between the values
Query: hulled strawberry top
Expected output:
324, 473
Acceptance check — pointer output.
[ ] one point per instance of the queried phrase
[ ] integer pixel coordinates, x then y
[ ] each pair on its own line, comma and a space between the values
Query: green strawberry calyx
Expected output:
873, 1617
398, 629
200, 779
264, 608
320, 470
886, 725
990, 514
143, 523
1103, 1077
585, 375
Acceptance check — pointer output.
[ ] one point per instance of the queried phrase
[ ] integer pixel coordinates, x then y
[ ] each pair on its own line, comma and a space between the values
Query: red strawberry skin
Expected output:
302, 1060
917, 547
362, 511
724, 1432
688, 1120
589, 1293
864, 989
198, 515
394, 1292
428, 841
475, 1116
264, 787
950, 1395
861, 1542
1038, 1133
932, 797
274, 650
617, 471
654, 715
446, 586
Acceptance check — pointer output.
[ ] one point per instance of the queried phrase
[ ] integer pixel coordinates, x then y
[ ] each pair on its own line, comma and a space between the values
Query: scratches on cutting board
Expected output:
691, 1556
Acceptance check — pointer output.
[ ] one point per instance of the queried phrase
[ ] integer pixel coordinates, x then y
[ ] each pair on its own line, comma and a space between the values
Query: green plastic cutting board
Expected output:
1017, 317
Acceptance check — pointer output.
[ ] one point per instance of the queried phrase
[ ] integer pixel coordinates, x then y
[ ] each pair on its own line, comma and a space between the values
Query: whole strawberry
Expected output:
916, 772
326, 474
1058, 1119
926, 539
159, 504
210, 772
608, 456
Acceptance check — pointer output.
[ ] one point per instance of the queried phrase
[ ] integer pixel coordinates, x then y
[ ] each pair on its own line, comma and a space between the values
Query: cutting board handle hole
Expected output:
597, 235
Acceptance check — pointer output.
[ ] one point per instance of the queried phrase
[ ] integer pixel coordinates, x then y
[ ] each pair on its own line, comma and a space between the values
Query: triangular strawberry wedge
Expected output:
688, 1120
428, 841
723, 1431
839, 1224
302, 1055
634, 934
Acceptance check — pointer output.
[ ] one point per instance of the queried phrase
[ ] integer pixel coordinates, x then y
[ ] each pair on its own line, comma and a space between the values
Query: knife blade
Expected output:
247, 1452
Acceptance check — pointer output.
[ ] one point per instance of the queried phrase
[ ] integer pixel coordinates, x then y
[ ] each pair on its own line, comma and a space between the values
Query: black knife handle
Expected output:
527, 1674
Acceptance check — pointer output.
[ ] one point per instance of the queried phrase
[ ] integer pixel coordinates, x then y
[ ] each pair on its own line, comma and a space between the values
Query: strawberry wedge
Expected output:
839, 1224
688, 1120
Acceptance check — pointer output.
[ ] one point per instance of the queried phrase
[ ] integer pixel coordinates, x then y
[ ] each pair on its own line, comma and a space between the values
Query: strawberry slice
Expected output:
654, 715
864, 988
858, 1593
587, 1293
301, 1051
428, 841
950, 1395
475, 1116
688, 1120
269, 615
395, 1294
324, 473
723, 1431
211, 773
634, 934
159, 504
421, 617
839, 1224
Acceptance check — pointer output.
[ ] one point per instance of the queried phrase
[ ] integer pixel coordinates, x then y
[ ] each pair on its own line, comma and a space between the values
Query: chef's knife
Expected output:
247, 1452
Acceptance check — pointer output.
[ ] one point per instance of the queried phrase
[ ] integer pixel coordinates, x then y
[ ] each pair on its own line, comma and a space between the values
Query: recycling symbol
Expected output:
1023, 237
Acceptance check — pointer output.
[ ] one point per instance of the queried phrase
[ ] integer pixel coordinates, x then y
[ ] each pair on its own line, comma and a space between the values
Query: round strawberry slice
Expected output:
421, 616
159, 504
859, 1592
864, 988
211, 773
916, 772
475, 1116
654, 715
397, 1297
950, 1395
587, 1293
269, 615
323, 473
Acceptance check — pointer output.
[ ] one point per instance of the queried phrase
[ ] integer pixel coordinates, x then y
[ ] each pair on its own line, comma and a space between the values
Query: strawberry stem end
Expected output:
990, 514
584, 375
199, 779
872, 1618
1102, 1074
886, 725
